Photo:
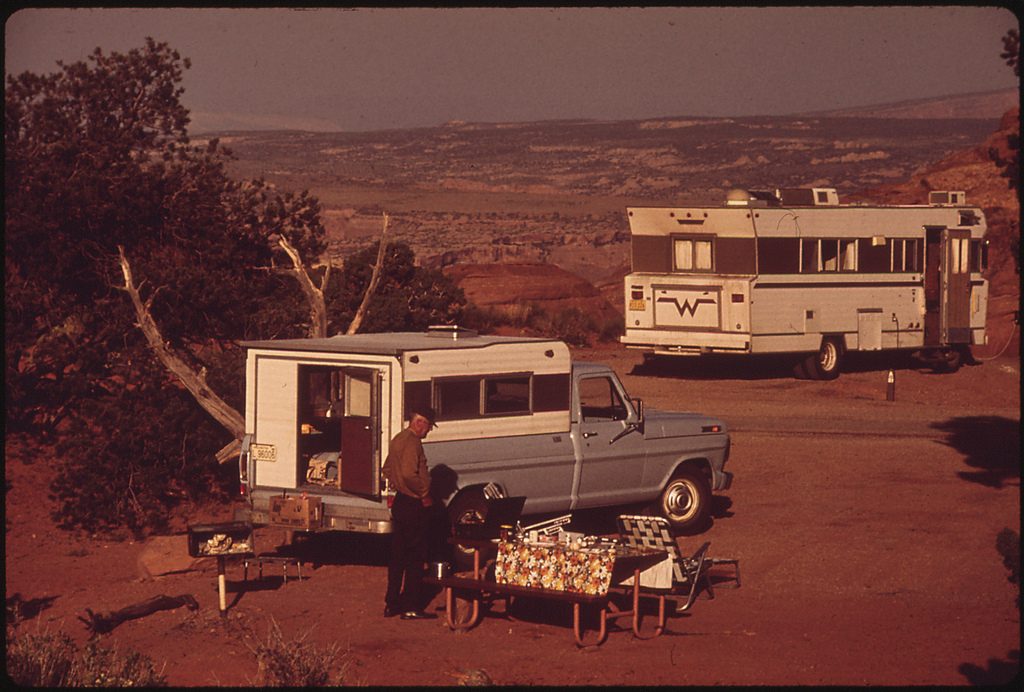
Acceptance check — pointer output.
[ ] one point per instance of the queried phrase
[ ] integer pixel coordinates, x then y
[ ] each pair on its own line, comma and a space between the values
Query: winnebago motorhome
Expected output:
796, 272
515, 417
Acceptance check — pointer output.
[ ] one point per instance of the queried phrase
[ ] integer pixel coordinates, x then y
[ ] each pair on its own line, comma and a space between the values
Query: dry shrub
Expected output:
296, 663
42, 659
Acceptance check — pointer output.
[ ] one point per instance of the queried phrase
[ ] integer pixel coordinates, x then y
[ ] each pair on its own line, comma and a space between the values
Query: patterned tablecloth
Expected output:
556, 566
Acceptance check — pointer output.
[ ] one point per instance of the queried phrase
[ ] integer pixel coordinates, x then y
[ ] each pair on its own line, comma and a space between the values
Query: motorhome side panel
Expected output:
792, 313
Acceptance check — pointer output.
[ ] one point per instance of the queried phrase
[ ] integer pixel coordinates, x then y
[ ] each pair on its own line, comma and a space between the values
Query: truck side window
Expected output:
599, 400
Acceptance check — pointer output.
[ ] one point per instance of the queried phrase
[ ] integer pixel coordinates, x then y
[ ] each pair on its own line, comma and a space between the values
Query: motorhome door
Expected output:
956, 287
360, 431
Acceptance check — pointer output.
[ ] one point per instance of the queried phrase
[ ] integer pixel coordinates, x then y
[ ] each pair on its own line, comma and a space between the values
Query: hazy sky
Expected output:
370, 69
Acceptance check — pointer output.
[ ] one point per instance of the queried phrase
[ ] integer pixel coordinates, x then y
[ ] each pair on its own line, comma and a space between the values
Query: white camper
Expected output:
794, 271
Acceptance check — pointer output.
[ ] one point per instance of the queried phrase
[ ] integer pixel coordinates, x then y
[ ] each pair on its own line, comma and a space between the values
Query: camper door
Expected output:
360, 432
339, 425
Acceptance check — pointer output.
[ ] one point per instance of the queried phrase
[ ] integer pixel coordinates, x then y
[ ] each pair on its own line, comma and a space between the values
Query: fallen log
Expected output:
101, 624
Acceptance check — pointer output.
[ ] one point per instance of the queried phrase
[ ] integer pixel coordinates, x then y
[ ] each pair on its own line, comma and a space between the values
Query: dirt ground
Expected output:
866, 531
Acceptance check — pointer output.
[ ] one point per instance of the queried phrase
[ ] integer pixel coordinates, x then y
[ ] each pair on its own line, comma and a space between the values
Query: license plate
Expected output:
638, 305
264, 452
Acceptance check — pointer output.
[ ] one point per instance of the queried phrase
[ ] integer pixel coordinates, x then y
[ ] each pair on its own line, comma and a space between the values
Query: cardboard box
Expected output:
296, 512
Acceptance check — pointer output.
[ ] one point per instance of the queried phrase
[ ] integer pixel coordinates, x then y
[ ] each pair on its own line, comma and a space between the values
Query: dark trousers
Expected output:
409, 544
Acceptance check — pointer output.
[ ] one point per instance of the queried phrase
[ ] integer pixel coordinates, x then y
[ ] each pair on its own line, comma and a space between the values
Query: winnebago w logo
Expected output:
686, 307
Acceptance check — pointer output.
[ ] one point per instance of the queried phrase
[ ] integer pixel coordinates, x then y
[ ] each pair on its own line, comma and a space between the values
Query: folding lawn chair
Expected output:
638, 531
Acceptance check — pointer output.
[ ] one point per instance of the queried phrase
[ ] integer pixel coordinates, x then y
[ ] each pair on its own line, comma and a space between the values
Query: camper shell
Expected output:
515, 417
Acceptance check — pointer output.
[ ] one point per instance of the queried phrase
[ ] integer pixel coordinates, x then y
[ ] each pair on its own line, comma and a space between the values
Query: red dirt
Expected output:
866, 558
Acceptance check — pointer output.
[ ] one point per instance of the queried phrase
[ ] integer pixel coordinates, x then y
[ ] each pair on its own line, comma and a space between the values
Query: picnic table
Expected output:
477, 589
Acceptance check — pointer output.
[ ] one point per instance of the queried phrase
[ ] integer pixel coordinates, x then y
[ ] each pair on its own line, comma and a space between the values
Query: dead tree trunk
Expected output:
194, 382
357, 321
314, 294
101, 624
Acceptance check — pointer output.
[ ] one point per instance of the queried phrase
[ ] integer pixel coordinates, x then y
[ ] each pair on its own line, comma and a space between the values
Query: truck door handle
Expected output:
588, 434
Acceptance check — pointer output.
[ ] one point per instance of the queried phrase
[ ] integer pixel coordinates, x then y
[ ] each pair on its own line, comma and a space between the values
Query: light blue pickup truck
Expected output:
515, 417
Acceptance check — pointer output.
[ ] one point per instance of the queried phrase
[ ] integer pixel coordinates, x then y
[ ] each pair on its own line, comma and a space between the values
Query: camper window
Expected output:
507, 395
457, 399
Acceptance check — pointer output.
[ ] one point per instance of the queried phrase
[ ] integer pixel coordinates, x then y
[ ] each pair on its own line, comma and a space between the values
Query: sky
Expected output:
329, 69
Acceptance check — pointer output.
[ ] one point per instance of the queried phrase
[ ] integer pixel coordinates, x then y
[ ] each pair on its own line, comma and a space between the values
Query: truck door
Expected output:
360, 432
611, 463
956, 287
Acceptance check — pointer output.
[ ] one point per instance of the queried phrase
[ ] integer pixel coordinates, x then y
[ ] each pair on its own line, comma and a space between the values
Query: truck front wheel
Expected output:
686, 501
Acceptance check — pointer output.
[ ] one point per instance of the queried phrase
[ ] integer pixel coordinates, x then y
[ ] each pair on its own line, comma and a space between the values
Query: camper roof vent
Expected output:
452, 331
945, 197
750, 198
808, 197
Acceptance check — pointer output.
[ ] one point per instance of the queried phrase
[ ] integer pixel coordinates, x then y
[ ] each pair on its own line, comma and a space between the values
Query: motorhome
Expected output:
515, 417
794, 271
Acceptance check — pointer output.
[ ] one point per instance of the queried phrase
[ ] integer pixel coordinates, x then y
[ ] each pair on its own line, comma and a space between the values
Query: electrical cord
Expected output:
1006, 346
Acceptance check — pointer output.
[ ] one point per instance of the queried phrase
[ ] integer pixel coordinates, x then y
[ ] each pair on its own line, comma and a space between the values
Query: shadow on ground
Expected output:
990, 444
767, 367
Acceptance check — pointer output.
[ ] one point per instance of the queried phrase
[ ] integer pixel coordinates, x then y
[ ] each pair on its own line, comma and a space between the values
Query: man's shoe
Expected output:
418, 615
390, 612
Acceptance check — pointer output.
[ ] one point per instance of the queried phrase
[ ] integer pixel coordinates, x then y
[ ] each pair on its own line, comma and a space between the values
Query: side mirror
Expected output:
638, 406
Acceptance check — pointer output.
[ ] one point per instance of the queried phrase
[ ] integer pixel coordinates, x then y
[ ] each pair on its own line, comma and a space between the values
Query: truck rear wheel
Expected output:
824, 365
469, 507
686, 501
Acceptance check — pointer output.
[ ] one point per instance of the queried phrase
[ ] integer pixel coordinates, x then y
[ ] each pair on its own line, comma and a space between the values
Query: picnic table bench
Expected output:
477, 589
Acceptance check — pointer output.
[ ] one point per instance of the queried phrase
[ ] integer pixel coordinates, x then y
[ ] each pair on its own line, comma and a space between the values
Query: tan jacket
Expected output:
406, 465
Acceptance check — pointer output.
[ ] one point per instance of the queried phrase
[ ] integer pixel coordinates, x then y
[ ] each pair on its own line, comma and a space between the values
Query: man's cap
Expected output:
425, 411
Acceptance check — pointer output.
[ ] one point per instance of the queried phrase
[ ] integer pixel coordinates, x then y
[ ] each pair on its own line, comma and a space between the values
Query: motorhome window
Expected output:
778, 255
829, 255
692, 254
905, 254
736, 255
979, 255
822, 196
507, 395
848, 255
809, 260
457, 399
913, 255
875, 258
599, 400
958, 255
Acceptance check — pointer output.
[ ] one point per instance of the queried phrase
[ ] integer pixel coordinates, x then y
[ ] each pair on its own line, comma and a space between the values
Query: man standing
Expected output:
406, 471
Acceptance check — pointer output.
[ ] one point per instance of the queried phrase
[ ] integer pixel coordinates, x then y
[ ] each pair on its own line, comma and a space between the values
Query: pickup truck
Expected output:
515, 417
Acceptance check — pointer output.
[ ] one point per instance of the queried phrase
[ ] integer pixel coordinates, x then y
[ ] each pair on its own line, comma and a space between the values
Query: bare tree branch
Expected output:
374, 278
194, 382
314, 293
